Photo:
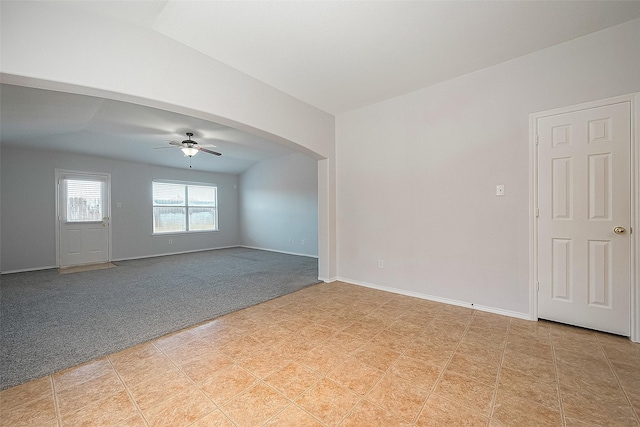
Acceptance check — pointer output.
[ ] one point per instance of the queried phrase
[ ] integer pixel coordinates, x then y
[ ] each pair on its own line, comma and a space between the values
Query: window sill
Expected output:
173, 233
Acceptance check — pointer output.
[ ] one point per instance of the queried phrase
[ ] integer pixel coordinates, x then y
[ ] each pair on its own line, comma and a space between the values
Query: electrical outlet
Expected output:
171, 241
380, 263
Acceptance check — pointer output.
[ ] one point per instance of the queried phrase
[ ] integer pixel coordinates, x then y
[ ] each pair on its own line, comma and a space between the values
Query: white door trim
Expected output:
634, 303
61, 172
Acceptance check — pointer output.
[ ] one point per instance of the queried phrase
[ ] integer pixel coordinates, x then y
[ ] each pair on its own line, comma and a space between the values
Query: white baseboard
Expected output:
328, 280
26, 270
174, 253
280, 252
502, 312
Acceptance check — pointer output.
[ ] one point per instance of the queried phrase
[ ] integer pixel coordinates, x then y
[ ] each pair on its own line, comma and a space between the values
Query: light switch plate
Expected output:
500, 190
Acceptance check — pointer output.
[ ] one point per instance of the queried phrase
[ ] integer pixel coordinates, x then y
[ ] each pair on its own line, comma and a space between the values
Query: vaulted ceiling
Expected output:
49, 120
335, 55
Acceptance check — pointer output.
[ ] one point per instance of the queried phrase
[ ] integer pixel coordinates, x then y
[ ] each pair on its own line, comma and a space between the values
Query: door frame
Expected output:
634, 163
107, 178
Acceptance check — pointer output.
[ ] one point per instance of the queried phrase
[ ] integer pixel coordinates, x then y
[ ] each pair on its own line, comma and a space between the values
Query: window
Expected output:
182, 207
82, 199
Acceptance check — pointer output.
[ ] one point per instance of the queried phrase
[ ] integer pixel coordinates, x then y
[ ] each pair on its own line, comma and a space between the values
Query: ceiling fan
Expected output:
190, 147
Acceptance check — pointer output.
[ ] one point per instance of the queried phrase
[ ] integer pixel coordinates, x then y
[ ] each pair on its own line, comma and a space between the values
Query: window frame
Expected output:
187, 206
64, 192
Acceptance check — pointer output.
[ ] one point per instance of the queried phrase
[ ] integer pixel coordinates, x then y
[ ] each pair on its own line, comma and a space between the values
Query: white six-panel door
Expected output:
584, 218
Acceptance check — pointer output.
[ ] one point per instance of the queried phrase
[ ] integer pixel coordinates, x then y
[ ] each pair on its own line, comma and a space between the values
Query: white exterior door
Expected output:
83, 218
584, 217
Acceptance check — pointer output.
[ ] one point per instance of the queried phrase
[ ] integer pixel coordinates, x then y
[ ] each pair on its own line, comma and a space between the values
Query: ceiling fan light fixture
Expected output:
189, 151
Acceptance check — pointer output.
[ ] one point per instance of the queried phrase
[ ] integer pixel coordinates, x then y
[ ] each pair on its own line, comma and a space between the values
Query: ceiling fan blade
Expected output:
176, 143
215, 153
160, 148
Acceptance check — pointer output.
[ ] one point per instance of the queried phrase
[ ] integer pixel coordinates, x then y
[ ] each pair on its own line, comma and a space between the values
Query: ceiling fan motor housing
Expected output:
189, 142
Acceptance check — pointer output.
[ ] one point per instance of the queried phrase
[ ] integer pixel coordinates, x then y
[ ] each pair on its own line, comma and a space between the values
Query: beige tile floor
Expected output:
339, 354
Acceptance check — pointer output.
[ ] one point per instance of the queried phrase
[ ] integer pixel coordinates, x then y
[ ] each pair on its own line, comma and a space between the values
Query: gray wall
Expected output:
417, 174
27, 224
279, 205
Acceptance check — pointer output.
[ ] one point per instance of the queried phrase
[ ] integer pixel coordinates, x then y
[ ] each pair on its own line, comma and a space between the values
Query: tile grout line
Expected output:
124, 384
55, 401
79, 384
396, 361
218, 407
495, 391
326, 375
292, 401
446, 365
557, 377
263, 382
444, 368
615, 374
323, 376
361, 397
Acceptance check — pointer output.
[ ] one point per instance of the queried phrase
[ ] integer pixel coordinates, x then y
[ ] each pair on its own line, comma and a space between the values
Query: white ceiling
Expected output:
335, 55
342, 55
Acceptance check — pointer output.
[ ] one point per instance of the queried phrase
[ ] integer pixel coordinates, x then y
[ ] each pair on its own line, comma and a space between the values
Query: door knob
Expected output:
619, 230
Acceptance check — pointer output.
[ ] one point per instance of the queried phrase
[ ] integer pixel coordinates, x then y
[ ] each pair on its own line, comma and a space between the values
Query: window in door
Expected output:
83, 200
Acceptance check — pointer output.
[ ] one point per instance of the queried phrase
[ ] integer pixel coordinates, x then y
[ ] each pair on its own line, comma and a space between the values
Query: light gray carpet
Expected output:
51, 321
